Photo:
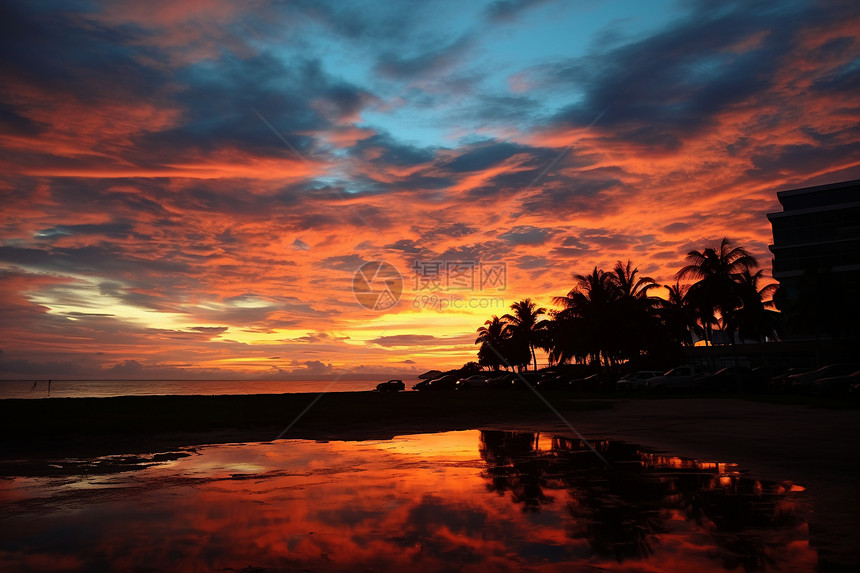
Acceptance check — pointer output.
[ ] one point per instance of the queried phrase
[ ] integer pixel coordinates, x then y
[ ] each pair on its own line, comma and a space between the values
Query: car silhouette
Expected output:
475, 381
391, 386
729, 379
805, 382
676, 379
635, 381
447, 382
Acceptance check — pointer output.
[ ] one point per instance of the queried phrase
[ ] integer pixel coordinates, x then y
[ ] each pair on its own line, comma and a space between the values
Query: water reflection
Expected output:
623, 511
423, 503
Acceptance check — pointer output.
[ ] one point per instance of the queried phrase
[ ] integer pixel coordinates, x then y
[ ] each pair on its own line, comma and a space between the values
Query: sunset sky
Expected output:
188, 188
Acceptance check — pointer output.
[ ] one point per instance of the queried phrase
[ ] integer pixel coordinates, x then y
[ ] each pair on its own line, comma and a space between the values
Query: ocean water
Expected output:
29, 389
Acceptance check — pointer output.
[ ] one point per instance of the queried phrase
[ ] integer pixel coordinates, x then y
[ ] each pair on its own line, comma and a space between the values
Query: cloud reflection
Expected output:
512, 500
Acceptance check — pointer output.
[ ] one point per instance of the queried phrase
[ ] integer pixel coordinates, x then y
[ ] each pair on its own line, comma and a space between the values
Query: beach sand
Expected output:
815, 447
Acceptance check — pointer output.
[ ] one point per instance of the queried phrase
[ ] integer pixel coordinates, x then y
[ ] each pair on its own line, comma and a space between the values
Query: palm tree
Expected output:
525, 324
754, 319
678, 315
565, 339
634, 308
590, 304
629, 286
492, 337
716, 290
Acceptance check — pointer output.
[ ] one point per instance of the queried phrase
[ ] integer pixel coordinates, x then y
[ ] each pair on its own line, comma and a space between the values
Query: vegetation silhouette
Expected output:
493, 338
755, 318
716, 292
678, 315
590, 308
611, 318
525, 325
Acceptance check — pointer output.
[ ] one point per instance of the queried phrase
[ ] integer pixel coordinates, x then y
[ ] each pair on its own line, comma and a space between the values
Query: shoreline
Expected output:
122, 424
765, 436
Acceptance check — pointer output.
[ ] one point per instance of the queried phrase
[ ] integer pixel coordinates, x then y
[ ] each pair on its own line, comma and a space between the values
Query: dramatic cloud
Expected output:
188, 189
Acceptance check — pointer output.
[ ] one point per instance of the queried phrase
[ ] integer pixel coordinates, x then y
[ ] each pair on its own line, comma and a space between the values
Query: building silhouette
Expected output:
816, 259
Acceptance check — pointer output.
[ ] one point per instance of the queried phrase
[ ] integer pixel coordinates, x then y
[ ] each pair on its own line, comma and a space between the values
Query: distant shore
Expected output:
40, 389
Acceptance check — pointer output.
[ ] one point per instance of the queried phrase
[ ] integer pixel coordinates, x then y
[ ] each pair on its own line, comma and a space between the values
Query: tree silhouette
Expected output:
525, 324
492, 337
610, 318
564, 338
754, 319
633, 308
678, 315
715, 291
629, 286
591, 302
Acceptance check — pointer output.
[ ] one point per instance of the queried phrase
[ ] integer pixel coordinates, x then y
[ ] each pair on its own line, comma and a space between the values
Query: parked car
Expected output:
780, 383
835, 385
476, 381
391, 386
558, 382
522, 380
502, 381
676, 379
447, 382
803, 382
762, 376
731, 379
590, 383
635, 381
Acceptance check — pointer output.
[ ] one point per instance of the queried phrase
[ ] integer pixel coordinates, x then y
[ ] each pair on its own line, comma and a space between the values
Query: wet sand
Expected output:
818, 448
765, 437
33, 428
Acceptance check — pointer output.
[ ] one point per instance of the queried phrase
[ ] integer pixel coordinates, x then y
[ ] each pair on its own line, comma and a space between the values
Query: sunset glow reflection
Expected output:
480, 501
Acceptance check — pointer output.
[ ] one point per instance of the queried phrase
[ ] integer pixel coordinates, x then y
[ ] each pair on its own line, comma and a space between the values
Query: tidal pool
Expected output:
454, 501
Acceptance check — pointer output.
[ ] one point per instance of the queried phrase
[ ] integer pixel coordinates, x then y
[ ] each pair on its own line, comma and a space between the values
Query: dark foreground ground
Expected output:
92, 426
814, 445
